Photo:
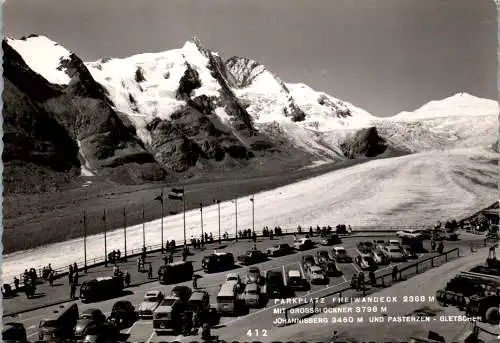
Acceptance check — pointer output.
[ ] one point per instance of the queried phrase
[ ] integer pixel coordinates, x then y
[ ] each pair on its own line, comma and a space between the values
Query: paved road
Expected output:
231, 327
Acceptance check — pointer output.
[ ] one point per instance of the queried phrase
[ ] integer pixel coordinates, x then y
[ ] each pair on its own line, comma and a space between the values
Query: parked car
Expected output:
380, 258
254, 276
14, 332
181, 292
330, 268
308, 261
425, 233
396, 242
409, 252
330, 240
408, 234
101, 332
303, 244
341, 256
275, 286
123, 314
296, 281
233, 277
365, 247
317, 276
395, 253
89, 318
252, 296
366, 262
279, 250
252, 257
150, 303
322, 256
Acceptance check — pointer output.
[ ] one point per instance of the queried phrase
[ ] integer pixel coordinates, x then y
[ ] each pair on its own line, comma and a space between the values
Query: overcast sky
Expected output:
385, 56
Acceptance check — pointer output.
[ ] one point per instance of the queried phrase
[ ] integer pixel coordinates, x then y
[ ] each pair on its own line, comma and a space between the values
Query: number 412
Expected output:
257, 333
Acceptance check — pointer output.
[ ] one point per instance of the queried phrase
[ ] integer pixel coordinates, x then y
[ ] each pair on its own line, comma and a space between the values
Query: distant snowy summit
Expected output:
460, 104
192, 113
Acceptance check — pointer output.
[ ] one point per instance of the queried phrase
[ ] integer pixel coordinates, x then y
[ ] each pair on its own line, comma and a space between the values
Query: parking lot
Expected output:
142, 330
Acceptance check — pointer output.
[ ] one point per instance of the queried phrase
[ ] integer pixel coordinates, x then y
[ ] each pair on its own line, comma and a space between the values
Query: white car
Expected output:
380, 258
303, 244
366, 262
395, 242
316, 275
150, 303
408, 234
395, 253
233, 277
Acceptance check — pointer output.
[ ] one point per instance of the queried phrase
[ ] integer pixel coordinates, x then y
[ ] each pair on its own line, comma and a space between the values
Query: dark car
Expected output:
275, 286
14, 332
101, 333
88, 319
181, 292
330, 268
295, 280
123, 314
252, 257
330, 240
322, 256
308, 261
254, 276
279, 250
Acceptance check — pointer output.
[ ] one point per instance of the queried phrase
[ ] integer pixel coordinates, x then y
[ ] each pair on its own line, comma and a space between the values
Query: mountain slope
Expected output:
77, 107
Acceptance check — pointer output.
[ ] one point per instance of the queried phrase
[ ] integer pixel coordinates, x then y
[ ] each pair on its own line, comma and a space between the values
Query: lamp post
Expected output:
218, 209
85, 241
252, 199
201, 221
236, 219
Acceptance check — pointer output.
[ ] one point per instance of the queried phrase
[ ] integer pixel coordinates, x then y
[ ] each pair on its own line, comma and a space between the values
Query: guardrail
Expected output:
416, 268
97, 261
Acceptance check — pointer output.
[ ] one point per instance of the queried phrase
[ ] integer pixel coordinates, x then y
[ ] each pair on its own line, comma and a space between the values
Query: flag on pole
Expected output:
176, 194
160, 197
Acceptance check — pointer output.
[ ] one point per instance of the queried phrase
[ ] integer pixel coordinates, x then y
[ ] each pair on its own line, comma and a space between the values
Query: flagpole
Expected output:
105, 242
253, 214
85, 241
143, 230
201, 217
184, 214
236, 219
218, 209
161, 201
125, 233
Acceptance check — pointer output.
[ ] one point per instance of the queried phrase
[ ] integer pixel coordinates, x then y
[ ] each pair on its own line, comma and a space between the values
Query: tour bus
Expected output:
175, 272
228, 301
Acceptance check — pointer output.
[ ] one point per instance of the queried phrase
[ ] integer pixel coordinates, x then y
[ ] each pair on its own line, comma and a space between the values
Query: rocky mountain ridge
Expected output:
185, 112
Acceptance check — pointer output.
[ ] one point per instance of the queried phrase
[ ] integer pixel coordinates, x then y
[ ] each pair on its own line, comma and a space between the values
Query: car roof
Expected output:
293, 272
152, 293
251, 286
339, 248
254, 269
315, 269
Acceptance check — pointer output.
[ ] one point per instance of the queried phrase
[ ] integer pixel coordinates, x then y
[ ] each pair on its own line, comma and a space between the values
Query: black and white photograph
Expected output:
250, 171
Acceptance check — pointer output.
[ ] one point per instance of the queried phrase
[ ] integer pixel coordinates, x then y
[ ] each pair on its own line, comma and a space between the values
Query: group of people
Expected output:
266, 232
440, 247
198, 242
247, 233
114, 256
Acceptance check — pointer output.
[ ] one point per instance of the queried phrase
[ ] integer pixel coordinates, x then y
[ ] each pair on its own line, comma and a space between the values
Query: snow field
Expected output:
417, 189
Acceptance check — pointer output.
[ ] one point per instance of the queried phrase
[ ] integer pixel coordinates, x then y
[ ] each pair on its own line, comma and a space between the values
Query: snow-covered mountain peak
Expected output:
460, 104
44, 57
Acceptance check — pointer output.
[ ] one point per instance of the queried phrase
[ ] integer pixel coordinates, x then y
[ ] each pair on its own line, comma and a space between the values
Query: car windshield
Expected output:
252, 291
341, 251
322, 253
50, 324
394, 250
150, 299
168, 302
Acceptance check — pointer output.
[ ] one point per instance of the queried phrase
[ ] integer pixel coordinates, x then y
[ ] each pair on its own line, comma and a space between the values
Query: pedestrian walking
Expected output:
51, 279
195, 282
150, 271
72, 291
75, 277
70, 277
433, 245
127, 279
16, 283
171, 257
395, 273
139, 264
